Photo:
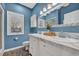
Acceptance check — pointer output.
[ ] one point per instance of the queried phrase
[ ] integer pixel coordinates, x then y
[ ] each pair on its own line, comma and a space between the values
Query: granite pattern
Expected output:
69, 42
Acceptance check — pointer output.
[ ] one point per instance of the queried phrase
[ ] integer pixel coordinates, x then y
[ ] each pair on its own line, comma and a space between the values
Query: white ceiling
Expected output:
30, 5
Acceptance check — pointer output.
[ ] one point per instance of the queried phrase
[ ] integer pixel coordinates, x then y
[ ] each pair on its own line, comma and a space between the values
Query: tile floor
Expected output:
17, 52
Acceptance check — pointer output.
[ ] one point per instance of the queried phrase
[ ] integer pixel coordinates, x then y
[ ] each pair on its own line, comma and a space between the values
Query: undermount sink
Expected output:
49, 33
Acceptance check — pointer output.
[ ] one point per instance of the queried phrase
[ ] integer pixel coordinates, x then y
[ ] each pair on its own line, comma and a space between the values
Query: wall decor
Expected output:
15, 23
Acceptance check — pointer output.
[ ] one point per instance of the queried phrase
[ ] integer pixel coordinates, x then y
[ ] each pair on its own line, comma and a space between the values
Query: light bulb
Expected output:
41, 12
44, 9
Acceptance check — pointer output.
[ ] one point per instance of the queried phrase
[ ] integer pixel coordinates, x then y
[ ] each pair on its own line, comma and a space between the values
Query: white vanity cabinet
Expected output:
34, 46
40, 46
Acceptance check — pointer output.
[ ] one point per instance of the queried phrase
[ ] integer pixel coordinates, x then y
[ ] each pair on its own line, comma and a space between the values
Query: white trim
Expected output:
10, 15
13, 48
2, 27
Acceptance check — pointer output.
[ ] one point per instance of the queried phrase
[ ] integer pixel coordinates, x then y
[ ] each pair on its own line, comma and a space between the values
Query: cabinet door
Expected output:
43, 51
70, 51
50, 49
61, 50
54, 49
34, 46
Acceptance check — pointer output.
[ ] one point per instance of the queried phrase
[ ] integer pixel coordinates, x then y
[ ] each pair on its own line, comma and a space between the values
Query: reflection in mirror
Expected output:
71, 18
52, 21
42, 23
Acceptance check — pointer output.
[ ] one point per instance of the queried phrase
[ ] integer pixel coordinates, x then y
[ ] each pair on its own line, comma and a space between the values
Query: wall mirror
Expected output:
71, 18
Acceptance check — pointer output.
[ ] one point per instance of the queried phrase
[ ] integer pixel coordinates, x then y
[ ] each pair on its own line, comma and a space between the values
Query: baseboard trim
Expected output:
6, 50
24, 43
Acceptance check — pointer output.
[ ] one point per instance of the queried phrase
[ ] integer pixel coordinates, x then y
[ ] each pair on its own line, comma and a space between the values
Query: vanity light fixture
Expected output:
47, 10
42, 12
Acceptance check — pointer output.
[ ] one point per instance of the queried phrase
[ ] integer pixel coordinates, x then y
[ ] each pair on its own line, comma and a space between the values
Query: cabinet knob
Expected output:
44, 45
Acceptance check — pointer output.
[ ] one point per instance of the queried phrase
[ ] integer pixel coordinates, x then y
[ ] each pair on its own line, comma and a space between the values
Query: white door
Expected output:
54, 49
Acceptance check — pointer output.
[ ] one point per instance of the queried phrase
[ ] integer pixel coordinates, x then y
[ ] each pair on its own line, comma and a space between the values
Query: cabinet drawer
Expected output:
67, 51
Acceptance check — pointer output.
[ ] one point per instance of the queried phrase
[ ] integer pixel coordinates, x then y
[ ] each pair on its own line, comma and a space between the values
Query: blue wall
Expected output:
39, 6
9, 39
74, 29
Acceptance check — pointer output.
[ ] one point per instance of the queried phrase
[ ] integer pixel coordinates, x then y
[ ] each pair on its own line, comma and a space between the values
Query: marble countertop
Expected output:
69, 42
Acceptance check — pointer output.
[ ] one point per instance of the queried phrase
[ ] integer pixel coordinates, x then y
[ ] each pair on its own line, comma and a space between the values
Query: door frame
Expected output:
2, 28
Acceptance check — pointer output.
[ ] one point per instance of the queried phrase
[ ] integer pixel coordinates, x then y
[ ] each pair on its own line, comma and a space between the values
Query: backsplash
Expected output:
69, 35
